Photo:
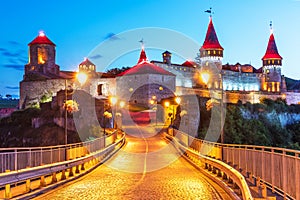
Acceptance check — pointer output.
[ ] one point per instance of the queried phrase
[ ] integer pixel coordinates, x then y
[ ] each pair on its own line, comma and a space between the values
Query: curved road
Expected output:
147, 167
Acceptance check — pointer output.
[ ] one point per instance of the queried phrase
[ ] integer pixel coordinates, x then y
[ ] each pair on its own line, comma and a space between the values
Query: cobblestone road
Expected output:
173, 180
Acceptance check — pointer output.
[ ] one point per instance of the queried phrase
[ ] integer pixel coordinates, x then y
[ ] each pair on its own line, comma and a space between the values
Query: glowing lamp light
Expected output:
81, 77
113, 100
167, 104
122, 104
151, 102
178, 100
41, 33
205, 77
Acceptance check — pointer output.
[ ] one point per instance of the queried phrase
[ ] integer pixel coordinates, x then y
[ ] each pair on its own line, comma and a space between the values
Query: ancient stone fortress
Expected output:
43, 77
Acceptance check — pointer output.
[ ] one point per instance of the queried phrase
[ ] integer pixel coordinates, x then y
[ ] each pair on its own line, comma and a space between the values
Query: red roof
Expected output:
143, 57
272, 52
189, 63
211, 39
87, 62
41, 39
145, 67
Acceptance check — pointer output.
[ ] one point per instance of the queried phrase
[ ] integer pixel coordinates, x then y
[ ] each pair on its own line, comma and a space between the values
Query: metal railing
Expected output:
14, 159
278, 168
222, 169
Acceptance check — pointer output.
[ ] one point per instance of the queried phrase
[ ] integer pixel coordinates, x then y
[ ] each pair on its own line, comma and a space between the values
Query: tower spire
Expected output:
143, 56
271, 27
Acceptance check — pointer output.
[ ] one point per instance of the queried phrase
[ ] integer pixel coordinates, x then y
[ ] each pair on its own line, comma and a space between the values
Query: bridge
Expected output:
142, 164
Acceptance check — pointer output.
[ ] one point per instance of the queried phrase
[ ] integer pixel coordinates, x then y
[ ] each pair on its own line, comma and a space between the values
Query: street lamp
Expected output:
205, 78
113, 101
81, 77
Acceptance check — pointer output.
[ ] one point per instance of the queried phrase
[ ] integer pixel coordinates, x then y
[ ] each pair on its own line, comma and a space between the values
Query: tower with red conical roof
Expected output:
211, 49
42, 56
272, 63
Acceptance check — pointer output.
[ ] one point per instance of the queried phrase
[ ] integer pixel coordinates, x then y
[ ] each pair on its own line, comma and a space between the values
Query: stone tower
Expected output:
272, 63
211, 55
87, 66
211, 49
41, 57
167, 57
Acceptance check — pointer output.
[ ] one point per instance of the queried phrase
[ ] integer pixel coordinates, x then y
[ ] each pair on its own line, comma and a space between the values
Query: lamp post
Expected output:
81, 77
113, 101
178, 101
205, 78
153, 101
222, 107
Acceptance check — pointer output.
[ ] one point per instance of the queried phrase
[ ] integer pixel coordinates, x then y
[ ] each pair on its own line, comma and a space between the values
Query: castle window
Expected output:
99, 89
268, 71
42, 55
214, 52
208, 52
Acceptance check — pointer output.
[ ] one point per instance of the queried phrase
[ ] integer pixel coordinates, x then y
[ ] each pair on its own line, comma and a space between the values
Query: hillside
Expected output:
9, 103
292, 84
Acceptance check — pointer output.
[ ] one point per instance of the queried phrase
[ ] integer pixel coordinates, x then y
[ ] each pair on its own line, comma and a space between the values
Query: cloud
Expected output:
10, 54
16, 67
15, 43
2, 49
12, 88
23, 60
13, 61
111, 36
97, 56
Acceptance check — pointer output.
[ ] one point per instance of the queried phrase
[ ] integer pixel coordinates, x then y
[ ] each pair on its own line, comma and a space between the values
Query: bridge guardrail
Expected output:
26, 175
14, 159
277, 168
223, 169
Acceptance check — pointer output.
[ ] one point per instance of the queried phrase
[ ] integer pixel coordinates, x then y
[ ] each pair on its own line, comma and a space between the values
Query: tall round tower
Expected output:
272, 63
211, 49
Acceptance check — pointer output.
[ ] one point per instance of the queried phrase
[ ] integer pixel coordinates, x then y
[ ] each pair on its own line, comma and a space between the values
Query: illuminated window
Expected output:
208, 52
268, 71
42, 55
214, 52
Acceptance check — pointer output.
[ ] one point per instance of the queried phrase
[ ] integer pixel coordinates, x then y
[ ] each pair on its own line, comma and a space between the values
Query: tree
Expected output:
8, 96
116, 71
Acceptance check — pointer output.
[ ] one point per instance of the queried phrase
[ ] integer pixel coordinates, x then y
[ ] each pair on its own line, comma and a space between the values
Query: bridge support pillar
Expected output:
54, 179
214, 170
71, 172
219, 173
27, 186
63, 174
77, 169
42, 181
82, 166
8, 193
263, 190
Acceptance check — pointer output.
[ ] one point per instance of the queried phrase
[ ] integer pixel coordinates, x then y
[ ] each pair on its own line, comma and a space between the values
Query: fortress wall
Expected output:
234, 97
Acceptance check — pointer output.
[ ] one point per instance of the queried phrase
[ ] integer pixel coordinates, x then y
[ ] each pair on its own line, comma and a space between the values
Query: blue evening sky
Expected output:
77, 27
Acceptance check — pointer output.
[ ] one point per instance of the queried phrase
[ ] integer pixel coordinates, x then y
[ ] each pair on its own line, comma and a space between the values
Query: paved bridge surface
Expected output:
147, 167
